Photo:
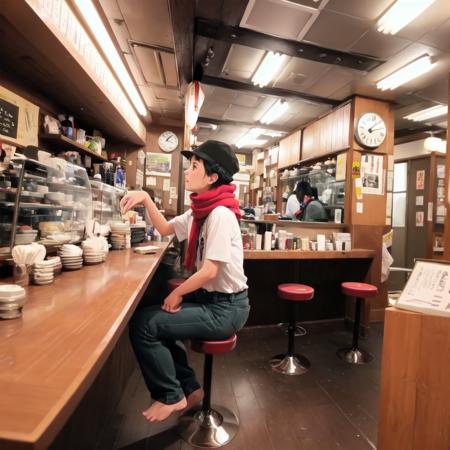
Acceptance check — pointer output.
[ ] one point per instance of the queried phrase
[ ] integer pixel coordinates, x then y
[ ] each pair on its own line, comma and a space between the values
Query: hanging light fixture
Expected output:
428, 113
269, 66
435, 144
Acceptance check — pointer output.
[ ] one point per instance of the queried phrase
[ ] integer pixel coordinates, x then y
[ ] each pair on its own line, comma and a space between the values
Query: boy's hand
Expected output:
172, 303
131, 199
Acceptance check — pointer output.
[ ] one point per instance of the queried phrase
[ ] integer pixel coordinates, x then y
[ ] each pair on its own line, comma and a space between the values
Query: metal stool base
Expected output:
214, 429
354, 355
290, 365
299, 330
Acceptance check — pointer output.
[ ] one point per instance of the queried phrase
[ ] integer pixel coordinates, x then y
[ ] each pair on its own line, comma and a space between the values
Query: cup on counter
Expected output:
267, 240
21, 274
258, 244
305, 243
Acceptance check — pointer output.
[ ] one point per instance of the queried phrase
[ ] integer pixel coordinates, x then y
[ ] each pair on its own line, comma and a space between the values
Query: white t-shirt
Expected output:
292, 206
220, 240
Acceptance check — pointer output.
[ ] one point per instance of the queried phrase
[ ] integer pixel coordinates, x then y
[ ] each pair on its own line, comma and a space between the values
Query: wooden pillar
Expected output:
368, 227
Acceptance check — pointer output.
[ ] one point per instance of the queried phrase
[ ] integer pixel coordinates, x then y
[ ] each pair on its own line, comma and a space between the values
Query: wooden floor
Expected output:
333, 406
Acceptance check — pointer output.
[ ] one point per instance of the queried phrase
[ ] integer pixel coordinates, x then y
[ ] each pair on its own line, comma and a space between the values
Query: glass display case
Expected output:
321, 176
49, 203
106, 202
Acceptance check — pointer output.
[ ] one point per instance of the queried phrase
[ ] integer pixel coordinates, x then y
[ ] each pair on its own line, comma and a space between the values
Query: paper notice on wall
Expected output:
173, 192
430, 212
341, 164
389, 204
166, 184
358, 188
419, 200
372, 174
420, 179
359, 207
440, 171
139, 178
150, 181
419, 218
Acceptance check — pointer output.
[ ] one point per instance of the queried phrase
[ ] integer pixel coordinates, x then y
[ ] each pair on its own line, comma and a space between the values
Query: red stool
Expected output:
173, 283
354, 354
292, 363
205, 426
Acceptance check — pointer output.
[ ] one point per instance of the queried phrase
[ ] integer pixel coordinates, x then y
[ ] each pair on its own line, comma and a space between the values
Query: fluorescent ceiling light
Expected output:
407, 73
275, 111
429, 113
248, 139
400, 14
264, 132
435, 144
268, 68
90, 15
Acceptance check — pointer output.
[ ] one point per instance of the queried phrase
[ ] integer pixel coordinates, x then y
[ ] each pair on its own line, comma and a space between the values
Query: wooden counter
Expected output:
415, 392
50, 356
302, 254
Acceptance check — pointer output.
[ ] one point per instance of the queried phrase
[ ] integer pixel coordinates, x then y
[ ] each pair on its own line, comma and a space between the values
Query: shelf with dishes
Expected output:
49, 203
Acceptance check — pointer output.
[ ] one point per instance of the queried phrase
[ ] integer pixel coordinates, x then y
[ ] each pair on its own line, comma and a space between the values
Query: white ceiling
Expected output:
345, 25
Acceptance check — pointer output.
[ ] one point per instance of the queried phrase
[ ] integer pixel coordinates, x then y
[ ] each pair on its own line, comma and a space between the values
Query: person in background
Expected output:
212, 304
303, 204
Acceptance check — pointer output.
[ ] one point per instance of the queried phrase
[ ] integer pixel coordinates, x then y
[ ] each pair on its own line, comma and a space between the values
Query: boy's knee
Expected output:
144, 324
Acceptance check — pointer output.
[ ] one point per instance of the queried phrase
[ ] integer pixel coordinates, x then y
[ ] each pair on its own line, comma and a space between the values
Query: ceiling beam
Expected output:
243, 36
243, 124
276, 92
404, 135
182, 13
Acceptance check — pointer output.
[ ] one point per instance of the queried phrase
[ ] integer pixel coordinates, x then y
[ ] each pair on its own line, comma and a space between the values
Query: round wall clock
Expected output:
168, 141
370, 130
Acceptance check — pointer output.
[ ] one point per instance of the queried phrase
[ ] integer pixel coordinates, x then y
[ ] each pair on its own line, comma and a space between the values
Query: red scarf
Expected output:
202, 205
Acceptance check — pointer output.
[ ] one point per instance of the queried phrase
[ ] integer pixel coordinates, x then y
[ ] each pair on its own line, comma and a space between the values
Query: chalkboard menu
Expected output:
9, 115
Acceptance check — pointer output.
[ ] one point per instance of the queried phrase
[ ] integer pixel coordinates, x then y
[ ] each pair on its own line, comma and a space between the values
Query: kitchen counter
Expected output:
51, 356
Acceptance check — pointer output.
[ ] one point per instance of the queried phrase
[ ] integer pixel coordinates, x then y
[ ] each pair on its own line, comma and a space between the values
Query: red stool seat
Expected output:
214, 347
295, 292
173, 283
360, 290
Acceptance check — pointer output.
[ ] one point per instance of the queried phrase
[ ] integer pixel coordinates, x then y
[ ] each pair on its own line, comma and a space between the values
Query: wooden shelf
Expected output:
63, 143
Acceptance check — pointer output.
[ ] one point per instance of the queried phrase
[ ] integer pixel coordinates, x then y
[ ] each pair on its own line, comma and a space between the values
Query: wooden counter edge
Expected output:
302, 254
42, 436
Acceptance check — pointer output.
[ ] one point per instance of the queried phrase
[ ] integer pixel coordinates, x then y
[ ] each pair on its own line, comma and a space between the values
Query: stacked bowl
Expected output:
120, 235
25, 237
12, 298
44, 272
71, 257
94, 250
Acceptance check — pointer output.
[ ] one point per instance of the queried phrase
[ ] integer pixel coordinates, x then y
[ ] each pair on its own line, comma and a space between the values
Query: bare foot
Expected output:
160, 411
194, 398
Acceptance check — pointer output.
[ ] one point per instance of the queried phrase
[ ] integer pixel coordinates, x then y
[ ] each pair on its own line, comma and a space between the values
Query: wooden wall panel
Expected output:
415, 392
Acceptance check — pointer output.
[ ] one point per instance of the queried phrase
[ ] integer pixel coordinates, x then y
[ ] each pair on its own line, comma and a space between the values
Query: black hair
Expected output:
303, 188
212, 167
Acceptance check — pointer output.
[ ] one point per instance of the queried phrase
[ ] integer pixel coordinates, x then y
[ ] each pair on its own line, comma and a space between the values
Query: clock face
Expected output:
168, 141
370, 130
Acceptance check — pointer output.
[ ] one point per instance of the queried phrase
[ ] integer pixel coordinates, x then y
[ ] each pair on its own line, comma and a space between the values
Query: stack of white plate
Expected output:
94, 250
44, 272
71, 257
12, 298
120, 236
25, 237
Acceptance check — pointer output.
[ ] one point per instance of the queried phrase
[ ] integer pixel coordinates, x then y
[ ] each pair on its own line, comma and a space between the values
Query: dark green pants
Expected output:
156, 335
